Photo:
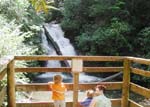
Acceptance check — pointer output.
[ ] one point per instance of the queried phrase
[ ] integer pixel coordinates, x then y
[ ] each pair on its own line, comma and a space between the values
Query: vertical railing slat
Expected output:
11, 85
126, 83
77, 67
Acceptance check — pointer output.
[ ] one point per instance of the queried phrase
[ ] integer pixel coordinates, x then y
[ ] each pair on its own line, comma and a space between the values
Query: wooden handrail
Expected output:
68, 69
76, 68
84, 58
82, 86
115, 103
140, 90
140, 72
139, 60
134, 104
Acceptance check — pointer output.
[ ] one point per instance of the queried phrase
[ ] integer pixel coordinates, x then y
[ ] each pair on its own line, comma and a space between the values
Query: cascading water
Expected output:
65, 47
58, 36
49, 50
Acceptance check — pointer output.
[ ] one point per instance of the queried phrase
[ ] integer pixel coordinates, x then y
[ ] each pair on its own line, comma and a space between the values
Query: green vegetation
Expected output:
18, 23
12, 38
109, 27
19, 33
21, 22
95, 27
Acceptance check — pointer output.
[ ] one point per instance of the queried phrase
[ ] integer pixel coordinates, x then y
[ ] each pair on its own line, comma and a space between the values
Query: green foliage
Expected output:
120, 10
139, 13
11, 39
144, 40
14, 9
19, 33
71, 6
42, 5
22, 12
94, 22
109, 27
25, 19
103, 39
100, 7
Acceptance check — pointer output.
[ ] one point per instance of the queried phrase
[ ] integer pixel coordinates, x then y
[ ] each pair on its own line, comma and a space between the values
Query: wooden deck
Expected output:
9, 68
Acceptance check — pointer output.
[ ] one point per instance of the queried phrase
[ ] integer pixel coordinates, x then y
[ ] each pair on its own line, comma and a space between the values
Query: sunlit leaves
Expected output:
41, 5
11, 39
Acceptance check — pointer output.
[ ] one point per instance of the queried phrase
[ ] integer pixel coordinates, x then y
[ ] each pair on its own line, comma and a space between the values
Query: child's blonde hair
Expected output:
90, 93
57, 79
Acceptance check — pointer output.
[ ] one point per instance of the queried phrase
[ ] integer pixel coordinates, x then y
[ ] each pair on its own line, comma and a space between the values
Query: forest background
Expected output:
95, 27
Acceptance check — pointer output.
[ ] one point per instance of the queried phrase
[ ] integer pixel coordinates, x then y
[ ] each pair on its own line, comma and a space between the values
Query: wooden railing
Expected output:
76, 68
7, 67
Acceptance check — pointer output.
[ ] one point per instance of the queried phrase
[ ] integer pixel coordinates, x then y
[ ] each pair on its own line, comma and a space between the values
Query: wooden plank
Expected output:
109, 85
3, 73
77, 66
126, 83
41, 104
32, 87
140, 72
139, 60
43, 69
2, 95
11, 85
115, 103
68, 69
84, 58
140, 90
83, 86
134, 104
102, 69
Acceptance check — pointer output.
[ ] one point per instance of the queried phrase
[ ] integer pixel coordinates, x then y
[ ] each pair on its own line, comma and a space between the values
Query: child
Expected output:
100, 100
58, 91
87, 101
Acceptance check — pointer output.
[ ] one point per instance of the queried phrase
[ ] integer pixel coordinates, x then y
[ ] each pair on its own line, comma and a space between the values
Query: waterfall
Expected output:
58, 36
54, 43
49, 50
62, 44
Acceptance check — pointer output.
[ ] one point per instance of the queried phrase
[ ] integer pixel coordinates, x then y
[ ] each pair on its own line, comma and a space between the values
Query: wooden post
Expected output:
77, 66
11, 85
126, 83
